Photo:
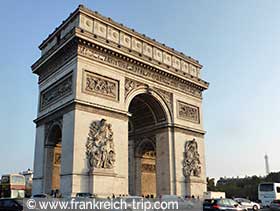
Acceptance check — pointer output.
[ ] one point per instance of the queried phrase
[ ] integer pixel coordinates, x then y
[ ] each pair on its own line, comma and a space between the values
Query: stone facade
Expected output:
125, 109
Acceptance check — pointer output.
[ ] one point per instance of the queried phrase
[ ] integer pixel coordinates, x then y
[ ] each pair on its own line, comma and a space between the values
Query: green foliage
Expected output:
241, 187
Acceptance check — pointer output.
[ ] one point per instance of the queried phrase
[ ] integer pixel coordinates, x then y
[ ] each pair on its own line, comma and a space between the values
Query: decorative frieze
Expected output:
100, 150
188, 112
55, 92
139, 69
99, 85
191, 163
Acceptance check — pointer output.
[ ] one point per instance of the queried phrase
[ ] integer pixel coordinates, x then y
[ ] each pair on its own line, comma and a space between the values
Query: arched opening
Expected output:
53, 159
147, 114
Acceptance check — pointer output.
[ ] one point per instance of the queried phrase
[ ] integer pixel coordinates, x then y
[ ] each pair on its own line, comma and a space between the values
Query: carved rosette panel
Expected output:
100, 150
56, 91
191, 163
188, 112
131, 85
99, 85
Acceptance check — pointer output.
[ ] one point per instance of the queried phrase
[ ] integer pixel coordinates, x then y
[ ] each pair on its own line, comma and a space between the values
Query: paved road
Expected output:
265, 209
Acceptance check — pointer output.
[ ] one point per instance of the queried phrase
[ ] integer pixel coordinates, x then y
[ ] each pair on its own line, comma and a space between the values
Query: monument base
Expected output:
105, 182
195, 187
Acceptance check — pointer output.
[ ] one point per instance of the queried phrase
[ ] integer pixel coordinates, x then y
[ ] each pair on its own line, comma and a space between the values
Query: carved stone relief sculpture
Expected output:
188, 112
57, 91
99, 85
191, 163
100, 150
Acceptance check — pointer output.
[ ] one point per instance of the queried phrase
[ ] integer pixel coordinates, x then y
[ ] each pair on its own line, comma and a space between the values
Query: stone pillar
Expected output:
132, 168
137, 173
163, 170
38, 177
48, 168
67, 149
86, 177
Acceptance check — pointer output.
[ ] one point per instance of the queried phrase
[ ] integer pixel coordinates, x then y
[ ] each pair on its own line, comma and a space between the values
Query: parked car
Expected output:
275, 205
10, 204
221, 204
84, 195
41, 195
247, 204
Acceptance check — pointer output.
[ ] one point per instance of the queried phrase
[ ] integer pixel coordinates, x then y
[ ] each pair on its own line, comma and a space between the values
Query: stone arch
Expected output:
145, 145
152, 92
54, 134
149, 117
53, 154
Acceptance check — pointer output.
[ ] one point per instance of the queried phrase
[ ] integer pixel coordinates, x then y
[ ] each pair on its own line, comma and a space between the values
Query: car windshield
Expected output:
17, 179
231, 202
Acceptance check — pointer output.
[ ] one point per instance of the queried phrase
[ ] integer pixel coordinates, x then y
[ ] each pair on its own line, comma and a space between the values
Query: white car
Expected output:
247, 204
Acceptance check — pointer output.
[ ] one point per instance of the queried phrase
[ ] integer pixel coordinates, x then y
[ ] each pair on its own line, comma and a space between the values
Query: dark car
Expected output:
85, 195
11, 204
275, 205
221, 204
41, 195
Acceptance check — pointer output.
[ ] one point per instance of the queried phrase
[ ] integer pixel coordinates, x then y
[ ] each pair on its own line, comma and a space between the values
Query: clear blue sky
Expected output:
237, 41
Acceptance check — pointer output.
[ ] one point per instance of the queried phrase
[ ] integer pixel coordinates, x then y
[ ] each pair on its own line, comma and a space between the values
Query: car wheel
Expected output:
255, 207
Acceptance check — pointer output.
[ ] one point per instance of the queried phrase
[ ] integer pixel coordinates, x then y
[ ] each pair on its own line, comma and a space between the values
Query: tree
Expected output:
241, 187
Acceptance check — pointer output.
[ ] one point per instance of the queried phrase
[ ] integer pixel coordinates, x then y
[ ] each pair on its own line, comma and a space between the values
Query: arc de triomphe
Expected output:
119, 113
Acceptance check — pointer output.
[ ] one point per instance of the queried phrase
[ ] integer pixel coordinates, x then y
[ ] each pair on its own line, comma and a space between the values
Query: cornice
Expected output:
108, 21
60, 27
67, 39
82, 106
94, 14
70, 39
